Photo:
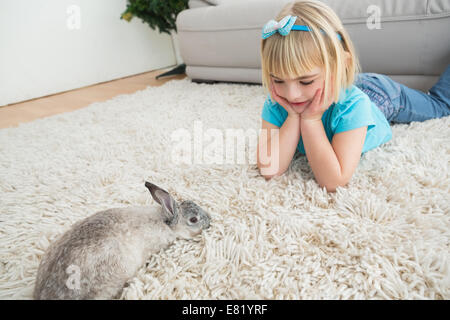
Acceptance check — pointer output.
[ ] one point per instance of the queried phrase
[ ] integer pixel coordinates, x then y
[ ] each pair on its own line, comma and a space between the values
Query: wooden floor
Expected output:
12, 115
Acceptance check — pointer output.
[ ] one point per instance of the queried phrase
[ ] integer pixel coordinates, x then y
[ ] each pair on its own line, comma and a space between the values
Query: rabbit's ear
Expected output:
163, 198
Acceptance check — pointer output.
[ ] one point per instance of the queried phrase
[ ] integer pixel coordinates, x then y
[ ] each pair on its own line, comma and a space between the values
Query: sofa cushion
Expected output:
413, 38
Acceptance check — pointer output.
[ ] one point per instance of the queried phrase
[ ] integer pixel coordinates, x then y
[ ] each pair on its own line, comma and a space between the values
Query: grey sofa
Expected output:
219, 40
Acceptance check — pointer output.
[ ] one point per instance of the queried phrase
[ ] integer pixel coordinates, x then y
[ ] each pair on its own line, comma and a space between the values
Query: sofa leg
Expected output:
181, 69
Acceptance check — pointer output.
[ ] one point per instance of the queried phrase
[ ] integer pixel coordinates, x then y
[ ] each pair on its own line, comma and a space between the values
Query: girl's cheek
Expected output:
278, 89
314, 89
317, 85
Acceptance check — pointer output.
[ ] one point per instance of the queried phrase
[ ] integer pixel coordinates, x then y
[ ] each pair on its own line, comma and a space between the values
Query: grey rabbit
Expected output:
98, 255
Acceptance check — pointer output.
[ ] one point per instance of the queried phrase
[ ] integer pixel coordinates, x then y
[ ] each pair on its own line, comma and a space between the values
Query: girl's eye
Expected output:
277, 81
306, 83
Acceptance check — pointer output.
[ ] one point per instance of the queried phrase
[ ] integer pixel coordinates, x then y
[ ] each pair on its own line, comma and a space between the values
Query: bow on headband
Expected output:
284, 27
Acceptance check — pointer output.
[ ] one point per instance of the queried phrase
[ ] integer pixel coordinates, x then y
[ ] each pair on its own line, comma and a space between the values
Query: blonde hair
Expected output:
300, 52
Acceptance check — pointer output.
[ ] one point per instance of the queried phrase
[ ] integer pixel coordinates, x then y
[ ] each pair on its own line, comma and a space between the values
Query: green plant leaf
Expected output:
158, 14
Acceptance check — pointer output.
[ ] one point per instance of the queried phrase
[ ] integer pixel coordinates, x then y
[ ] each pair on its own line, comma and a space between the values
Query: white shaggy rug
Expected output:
385, 236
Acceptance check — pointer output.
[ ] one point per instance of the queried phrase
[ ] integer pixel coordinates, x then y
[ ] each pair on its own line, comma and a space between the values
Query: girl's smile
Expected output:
299, 104
300, 91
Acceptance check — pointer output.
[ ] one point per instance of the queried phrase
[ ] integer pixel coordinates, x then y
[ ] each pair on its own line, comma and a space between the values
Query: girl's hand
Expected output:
292, 111
317, 106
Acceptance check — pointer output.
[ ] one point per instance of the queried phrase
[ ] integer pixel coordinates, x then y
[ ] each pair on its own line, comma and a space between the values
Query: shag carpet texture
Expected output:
384, 236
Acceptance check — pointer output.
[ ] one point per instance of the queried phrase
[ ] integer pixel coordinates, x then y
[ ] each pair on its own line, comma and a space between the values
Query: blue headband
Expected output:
284, 27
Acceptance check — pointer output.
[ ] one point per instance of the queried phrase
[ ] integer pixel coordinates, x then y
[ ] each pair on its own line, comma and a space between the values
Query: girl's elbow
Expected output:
268, 173
267, 176
333, 185
329, 187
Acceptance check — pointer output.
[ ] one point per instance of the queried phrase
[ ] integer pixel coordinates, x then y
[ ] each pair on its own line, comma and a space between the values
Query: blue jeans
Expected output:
401, 104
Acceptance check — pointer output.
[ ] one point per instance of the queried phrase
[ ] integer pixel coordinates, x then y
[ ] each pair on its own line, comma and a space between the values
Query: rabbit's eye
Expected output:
193, 220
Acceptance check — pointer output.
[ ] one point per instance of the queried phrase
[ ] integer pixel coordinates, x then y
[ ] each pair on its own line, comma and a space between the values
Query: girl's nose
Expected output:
293, 93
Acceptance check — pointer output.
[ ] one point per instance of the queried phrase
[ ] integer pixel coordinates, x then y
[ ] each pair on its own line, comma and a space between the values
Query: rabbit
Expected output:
98, 255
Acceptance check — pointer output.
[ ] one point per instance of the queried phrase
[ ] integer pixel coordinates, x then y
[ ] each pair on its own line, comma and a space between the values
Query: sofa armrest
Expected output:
222, 2
199, 3
206, 3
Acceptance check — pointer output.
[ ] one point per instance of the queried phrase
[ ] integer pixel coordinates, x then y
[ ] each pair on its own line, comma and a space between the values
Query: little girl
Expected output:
321, 105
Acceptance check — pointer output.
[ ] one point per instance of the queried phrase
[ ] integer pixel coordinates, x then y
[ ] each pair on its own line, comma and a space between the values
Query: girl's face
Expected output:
299, 92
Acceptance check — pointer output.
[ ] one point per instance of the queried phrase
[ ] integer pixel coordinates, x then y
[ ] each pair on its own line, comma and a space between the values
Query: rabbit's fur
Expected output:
96, 257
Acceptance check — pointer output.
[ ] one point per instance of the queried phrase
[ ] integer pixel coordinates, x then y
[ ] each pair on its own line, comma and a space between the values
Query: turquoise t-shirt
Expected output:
353, 110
